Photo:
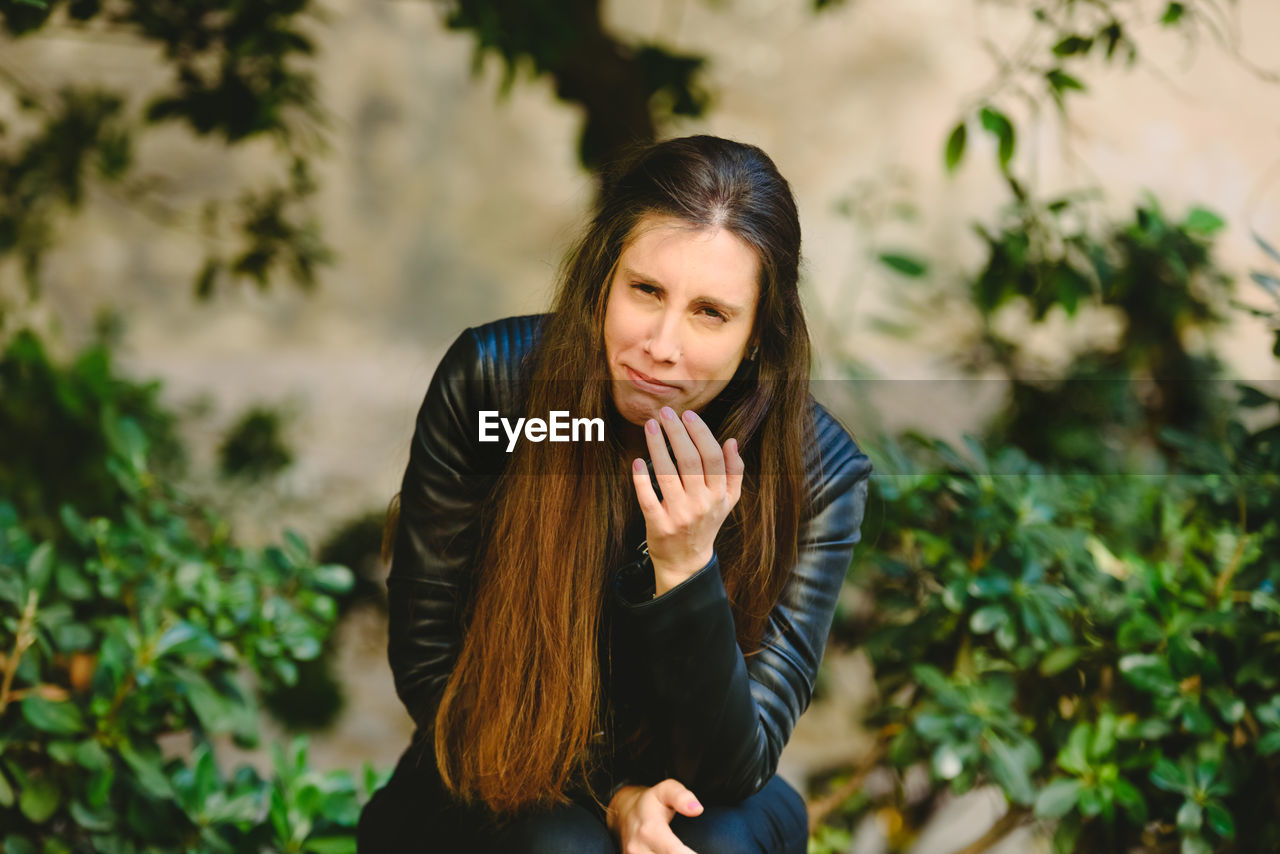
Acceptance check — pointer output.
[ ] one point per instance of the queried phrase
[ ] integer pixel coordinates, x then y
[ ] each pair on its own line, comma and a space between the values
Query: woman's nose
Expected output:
664, 340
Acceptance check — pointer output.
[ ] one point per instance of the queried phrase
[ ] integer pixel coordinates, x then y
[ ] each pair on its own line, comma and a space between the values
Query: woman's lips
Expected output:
649, 384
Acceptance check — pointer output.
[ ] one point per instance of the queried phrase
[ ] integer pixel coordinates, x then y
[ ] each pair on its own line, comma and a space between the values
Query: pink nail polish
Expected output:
690, 416
668, 413
651, 426
637, 465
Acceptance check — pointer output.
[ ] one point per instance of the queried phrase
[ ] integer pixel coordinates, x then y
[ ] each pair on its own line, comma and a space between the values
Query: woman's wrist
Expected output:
619, 802
668, 574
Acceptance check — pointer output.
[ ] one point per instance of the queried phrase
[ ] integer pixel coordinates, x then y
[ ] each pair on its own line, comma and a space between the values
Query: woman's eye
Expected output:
650, 290
712, 313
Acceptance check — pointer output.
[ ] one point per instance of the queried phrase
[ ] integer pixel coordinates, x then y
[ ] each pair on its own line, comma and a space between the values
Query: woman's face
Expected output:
679, 316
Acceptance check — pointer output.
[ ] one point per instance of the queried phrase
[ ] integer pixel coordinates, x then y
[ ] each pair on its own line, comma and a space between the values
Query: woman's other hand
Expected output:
698, 490
640, 817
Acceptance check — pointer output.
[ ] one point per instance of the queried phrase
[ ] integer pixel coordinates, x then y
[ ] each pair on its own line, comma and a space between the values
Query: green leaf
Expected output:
1190, 817
1058, 798
947, 762
1139, 631
1128, 796
75, 525
1074, 754
98, 820
6, 791
1269, 743
1252, 398
1012, 770
1061, 81
295, 548
62, 752
1072, 45
90, 755
1066, 834
998, 124
1165, 775
955, 146
39, 799
1220, 819
1104, 737
906, 265
72, 584
151, 779
1091, 801
1231, 708
12, 591
988, 619
1266, 247
219, 711
1059, 660
331, 845
1195, 845
55, 717
1149, 673
1196, 720
1267, 282
186, 639
40, 567
13, 844
334, 578
1172, 14
1203, 221
126, 440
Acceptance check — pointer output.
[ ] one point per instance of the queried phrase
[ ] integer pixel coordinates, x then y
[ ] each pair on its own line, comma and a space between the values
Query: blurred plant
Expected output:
1114, 399
630, 90
1104, 406
54, 449
1104, 649
1269, 281
234, 74
132, 629
358, 544
254, 447
318, 697
625, 89
1045, 65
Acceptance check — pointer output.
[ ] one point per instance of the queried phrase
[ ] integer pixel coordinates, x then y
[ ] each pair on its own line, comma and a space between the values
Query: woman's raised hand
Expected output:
698, 490
641, 817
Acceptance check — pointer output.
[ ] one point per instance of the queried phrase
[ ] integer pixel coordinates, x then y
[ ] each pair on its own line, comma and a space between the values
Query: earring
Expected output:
754, 351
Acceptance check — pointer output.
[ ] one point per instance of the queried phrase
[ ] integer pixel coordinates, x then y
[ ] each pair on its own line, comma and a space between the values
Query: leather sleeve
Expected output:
441, 497
725, 719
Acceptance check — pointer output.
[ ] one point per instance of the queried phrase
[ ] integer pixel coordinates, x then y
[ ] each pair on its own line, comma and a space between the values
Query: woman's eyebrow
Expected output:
720, 305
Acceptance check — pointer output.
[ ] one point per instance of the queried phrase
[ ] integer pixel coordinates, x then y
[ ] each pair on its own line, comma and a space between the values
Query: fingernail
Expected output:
637, 465
651, 426
668, 413
734, 444
693, 805
690, 416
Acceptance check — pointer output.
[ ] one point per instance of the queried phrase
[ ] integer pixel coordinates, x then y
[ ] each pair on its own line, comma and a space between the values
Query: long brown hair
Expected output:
514, 724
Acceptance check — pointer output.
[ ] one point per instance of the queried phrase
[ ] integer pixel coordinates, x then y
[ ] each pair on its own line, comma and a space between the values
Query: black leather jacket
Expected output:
721, 720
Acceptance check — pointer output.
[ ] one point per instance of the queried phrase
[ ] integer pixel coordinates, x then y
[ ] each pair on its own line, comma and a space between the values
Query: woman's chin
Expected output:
637, 412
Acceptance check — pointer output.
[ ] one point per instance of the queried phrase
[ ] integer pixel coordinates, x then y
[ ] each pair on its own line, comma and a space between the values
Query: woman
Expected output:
606, 642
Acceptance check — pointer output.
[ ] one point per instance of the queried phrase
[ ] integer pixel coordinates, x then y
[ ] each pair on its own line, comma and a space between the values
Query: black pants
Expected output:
412, 813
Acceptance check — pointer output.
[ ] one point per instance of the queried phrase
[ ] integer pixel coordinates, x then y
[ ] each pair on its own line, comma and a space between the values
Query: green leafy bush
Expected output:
55, 448
1102, 646
1106, 649
150, 627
